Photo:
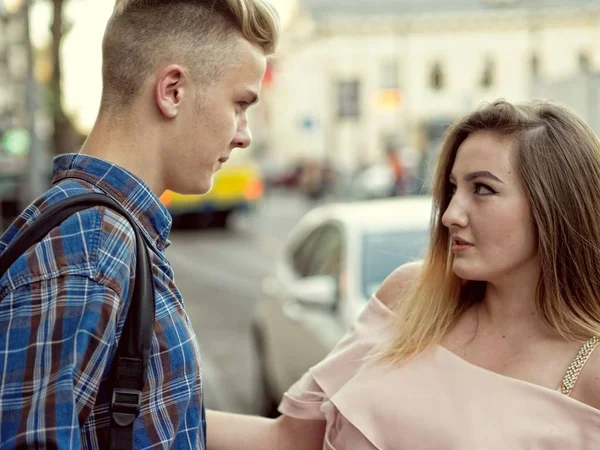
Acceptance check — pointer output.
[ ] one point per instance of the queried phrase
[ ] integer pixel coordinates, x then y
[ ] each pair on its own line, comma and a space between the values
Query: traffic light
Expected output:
16, 142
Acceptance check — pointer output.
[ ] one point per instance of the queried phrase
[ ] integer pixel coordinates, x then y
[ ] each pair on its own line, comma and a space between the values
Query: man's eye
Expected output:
483, 189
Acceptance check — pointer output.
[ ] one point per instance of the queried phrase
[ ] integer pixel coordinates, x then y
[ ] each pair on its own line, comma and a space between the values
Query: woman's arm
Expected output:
226, 431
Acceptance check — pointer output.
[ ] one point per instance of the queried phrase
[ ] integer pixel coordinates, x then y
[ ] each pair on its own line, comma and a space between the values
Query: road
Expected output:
219, 274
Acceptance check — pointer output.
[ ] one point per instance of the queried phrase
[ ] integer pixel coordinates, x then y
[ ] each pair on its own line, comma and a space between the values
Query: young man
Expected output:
178, 78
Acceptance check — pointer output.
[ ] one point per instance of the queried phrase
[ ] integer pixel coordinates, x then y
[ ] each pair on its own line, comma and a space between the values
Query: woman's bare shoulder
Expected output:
395, 286
587, 388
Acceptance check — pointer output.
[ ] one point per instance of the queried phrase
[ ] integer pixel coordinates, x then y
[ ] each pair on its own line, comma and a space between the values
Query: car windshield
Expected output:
385, 251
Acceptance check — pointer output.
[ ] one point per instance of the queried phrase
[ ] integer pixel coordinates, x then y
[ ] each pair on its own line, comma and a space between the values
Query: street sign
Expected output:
389, 99
307, 124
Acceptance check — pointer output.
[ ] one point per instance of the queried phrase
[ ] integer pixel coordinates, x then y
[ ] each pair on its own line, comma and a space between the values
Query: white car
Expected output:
334, 260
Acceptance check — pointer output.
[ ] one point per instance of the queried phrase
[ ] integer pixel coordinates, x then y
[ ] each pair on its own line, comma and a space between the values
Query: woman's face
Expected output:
489, 220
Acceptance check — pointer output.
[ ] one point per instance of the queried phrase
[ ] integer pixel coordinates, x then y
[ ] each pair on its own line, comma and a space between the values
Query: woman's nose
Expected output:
456, 214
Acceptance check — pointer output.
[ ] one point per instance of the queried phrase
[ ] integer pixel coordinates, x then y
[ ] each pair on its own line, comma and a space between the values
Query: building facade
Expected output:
353, 79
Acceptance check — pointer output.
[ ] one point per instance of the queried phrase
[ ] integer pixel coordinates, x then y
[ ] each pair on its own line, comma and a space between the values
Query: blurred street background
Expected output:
219, 273
354, 107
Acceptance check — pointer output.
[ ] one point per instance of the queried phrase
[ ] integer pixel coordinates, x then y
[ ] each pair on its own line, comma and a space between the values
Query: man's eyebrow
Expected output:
479, 174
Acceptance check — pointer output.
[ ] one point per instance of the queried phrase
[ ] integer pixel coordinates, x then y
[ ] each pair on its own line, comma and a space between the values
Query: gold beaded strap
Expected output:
568, 382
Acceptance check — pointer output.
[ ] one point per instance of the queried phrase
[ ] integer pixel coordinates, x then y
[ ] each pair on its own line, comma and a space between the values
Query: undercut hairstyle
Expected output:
141, 35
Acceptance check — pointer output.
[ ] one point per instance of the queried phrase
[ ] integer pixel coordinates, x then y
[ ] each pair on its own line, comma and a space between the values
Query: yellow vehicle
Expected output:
237, 187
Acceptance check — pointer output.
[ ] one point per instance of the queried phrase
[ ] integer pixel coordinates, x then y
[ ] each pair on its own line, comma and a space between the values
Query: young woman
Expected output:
488, 344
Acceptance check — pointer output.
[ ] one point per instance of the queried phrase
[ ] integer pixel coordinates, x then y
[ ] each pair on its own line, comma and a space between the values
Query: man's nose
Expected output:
243, 137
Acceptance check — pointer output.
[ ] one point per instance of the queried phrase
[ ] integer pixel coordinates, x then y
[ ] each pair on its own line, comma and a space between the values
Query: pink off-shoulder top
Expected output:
436, 401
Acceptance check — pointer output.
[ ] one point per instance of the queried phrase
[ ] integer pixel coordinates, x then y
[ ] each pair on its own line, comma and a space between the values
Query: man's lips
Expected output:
224, 159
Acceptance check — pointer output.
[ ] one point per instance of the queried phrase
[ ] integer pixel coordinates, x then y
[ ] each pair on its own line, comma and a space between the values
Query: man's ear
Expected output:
171, 85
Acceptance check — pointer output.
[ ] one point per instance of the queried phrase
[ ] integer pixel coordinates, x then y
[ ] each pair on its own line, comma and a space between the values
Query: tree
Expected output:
65, 137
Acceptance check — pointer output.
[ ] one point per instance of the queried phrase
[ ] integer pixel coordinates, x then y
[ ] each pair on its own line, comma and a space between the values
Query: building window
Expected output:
535, 65
436, 80
348, 99
488, 74
390, 74
584, 62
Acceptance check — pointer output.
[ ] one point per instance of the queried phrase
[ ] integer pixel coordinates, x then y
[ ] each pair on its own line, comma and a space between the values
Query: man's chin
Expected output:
200, 187
209, 185
203, 188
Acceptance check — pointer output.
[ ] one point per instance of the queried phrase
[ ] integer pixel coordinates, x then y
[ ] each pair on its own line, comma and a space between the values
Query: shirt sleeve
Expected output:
304, 400
57, 338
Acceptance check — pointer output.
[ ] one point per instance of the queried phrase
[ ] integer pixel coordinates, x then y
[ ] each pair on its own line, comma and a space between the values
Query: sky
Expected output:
81, 58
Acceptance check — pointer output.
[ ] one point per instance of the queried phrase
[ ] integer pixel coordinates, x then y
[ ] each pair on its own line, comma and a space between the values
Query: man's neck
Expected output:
128, 145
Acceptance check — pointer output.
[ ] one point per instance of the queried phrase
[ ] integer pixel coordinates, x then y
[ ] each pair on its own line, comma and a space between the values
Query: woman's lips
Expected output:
460, 245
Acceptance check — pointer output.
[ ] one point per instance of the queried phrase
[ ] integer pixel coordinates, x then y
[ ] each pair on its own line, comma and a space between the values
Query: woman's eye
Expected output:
483, 189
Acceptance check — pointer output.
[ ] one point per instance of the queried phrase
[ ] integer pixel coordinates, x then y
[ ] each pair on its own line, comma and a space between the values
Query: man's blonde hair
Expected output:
142, 34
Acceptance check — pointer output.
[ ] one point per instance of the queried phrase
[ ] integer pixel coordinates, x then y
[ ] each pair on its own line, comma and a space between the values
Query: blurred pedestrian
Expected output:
488, 343
395, 163
178, 78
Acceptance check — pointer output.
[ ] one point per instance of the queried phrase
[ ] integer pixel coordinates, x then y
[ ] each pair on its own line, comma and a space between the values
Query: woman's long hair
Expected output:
558, 160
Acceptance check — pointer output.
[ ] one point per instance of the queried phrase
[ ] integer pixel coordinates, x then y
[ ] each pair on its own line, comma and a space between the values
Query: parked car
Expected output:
237, 187
333, 262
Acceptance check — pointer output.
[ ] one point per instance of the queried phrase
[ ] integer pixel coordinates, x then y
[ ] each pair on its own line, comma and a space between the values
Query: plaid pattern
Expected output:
60, 321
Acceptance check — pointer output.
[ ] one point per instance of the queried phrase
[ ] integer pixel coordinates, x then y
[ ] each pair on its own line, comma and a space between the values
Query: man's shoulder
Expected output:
97, 243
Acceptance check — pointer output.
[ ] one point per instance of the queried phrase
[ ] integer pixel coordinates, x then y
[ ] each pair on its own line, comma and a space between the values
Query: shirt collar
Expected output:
129, 190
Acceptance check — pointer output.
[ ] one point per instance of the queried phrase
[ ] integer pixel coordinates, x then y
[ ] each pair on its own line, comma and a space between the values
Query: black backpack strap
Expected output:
131, 361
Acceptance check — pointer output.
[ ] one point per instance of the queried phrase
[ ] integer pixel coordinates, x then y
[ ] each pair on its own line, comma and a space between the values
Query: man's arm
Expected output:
57, 339
226, 431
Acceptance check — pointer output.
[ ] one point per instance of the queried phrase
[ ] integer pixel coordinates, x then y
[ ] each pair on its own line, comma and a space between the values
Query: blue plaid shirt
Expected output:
60, 321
